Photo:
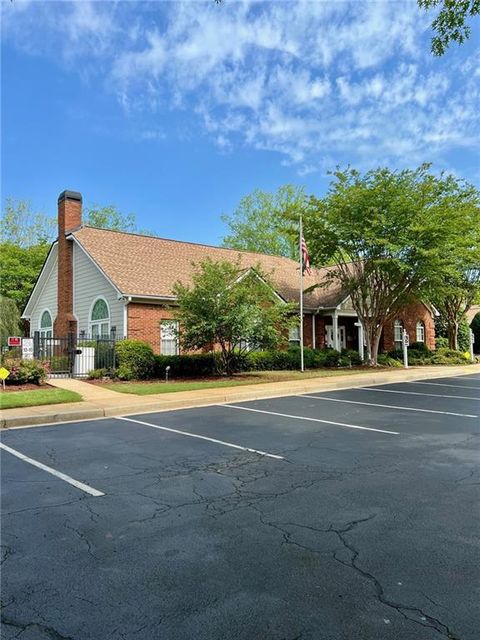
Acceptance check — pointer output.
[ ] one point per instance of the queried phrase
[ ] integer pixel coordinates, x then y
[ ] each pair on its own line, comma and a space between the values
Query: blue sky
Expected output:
174, 111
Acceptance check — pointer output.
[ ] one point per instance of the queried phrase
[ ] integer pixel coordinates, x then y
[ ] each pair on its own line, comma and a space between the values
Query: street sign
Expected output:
27, 348
14, 341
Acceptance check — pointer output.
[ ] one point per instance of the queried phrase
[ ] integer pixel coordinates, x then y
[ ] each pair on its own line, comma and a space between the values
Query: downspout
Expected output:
126, 302
314, 343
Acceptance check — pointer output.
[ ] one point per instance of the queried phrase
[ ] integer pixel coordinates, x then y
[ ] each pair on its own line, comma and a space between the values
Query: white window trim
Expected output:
294, 339
175, 340
398, 340
420, 325
91, 322
43, 330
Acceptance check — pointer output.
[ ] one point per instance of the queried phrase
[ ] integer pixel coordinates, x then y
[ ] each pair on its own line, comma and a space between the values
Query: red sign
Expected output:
14, 341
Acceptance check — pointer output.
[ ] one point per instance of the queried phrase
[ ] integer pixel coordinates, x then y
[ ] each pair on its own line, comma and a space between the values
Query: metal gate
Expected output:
73, 357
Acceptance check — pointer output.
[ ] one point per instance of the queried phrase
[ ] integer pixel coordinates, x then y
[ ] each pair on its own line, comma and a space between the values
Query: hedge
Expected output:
419, 354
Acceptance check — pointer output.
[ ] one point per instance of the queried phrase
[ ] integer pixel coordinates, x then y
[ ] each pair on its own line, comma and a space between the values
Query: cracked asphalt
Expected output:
353, 535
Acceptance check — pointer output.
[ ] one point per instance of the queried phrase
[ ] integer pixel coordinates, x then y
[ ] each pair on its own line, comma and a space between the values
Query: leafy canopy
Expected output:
391, 235
230, 308
451, 23
259, 223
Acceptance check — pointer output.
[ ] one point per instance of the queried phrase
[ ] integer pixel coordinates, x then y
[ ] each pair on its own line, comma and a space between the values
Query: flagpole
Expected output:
302, 365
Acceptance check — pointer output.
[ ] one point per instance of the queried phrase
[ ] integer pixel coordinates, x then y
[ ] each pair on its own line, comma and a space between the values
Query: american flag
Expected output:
305, 257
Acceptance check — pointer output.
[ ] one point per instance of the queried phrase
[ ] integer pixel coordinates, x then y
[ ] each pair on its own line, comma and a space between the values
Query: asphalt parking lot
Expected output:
341, 515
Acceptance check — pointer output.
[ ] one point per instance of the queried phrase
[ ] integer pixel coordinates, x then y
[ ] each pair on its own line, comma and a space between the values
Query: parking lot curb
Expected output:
75, 412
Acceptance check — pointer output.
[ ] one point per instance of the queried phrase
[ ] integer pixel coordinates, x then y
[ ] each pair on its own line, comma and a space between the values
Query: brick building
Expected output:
95, 281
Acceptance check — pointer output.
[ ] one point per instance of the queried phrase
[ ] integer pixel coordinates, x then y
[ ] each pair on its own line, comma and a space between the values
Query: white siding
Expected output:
89, 284
46, 295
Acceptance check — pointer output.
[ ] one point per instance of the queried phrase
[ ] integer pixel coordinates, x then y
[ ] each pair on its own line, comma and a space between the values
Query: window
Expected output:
398, 334
169, 338
420, 331
294, 336
46, 324
100, 319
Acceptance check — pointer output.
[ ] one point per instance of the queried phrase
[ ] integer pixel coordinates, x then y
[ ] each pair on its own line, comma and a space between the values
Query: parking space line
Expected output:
442, 384
53, 472
418, 393
286, 415
200, 437
389, 406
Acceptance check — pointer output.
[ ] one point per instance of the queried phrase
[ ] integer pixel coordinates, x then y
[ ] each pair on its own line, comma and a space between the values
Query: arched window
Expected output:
46, 324
398, 334
100, 319
420, 331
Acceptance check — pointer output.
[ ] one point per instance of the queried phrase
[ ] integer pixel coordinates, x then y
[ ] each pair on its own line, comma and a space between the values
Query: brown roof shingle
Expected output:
149, 266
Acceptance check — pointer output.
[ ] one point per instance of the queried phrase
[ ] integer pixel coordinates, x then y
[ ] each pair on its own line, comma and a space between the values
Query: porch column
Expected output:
336, 345
361, 349
313, 332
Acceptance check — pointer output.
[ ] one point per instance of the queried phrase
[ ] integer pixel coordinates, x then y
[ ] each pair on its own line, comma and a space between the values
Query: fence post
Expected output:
36, 345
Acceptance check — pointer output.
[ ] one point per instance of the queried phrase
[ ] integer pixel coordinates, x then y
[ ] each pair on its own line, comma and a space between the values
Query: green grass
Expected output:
33, 398
254, 377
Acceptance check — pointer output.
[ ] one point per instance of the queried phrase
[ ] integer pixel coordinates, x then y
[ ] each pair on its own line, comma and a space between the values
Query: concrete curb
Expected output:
51, 414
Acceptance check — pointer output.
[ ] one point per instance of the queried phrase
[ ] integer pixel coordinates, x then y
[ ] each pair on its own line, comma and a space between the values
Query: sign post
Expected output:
472, 340
406, 342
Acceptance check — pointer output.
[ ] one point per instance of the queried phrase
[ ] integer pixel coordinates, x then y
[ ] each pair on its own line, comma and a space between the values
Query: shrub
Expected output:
419, 346
441, 342
135, 358
97, 374
386, 360
449, 356
26, 371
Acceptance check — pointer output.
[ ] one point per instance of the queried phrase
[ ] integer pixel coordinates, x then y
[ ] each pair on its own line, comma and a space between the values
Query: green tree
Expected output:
451, 23
260, 222
109, 217
475, 327
391, 236
22, 227
9, 319
232, 308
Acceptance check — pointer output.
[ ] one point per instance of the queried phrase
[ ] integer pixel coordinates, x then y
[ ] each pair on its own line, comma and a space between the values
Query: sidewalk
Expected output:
99, 402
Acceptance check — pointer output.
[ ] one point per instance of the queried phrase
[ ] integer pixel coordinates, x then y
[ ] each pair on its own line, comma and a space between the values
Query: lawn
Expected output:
12, 399
257, 377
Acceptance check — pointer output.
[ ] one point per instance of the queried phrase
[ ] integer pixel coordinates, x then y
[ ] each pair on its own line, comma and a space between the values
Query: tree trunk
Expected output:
453, 335
373, 333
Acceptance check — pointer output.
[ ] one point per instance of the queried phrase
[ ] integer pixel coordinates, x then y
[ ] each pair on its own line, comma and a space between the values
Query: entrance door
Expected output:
342, 336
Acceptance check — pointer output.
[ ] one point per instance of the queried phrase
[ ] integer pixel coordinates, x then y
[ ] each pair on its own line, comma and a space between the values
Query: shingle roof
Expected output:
148, 266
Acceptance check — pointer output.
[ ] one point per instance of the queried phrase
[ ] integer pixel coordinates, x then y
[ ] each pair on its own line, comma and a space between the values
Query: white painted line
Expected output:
442, 384
417, 393
196, 435
286, 415
389, 406
53, 472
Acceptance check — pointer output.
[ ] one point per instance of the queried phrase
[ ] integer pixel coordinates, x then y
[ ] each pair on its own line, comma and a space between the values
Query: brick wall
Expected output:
144, 322
410, 316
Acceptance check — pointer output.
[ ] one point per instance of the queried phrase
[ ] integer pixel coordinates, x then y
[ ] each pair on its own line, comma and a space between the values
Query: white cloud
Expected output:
312, 81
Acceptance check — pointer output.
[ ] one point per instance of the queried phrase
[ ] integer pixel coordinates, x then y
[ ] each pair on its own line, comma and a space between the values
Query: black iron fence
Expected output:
75, 357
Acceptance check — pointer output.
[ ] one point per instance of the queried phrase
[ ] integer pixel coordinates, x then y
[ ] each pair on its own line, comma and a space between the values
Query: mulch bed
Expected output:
27, 387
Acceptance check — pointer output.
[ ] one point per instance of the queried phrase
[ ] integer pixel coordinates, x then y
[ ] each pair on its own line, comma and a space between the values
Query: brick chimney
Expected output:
69, 219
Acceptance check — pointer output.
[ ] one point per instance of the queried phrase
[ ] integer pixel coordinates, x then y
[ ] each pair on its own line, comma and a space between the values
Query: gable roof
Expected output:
146, 266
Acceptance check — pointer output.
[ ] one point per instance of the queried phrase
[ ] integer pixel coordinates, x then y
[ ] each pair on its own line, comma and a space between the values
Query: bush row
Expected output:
419, 354
136, 360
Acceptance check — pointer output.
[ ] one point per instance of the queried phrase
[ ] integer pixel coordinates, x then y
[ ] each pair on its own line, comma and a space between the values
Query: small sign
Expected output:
14, 341
4, 373
27, 348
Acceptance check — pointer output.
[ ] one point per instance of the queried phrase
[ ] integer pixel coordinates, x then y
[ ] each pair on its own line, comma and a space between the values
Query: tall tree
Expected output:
391, 236
451, 23
232, 308
22, 227
109, 217
260, 222
9, 319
